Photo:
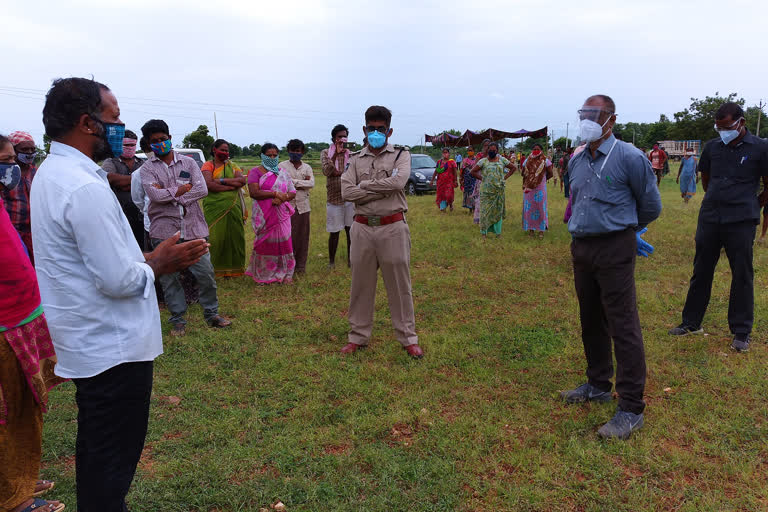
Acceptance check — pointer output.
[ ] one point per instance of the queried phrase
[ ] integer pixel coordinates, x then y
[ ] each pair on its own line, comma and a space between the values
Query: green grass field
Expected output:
269, 410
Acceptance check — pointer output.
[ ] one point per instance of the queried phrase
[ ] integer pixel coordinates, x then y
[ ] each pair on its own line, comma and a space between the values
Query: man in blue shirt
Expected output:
731, 168
614, 196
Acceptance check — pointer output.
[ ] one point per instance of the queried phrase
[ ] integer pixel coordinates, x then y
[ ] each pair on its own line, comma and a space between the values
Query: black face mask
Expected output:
492, 154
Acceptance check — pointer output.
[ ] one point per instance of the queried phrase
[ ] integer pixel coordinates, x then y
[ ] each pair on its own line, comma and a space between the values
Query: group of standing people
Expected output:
482, 180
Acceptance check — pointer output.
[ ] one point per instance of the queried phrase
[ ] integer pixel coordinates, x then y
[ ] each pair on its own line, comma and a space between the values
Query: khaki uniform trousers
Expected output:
389, 248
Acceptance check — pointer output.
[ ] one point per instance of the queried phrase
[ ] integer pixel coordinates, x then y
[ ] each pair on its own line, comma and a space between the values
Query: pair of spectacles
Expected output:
380, 129
732, 127
592, 113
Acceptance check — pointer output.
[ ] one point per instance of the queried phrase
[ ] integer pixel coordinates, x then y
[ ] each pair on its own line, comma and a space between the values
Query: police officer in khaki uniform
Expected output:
375, 181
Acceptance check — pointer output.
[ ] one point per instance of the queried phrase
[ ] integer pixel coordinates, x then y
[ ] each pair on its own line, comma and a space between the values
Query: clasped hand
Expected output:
644, 249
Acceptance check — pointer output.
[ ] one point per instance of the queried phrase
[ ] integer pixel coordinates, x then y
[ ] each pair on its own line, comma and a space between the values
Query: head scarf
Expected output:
18, 137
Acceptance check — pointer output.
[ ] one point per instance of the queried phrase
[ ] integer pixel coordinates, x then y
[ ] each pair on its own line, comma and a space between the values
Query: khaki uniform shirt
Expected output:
375, 183
304, 180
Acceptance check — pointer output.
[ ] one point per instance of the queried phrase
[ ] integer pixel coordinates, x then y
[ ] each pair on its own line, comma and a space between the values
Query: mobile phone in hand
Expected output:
349, 145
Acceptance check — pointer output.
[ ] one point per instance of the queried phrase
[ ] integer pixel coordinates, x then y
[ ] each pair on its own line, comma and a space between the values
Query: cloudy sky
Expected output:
274, 70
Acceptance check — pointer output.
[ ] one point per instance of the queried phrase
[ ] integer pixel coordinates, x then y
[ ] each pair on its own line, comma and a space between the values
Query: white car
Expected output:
193, 153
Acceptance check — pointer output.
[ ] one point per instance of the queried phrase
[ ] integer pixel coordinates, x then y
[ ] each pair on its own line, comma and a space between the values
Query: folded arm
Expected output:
394, 181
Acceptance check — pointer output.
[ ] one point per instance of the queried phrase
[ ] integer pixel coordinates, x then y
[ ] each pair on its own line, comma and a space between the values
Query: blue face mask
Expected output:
295, 157
270, 163
10, 175
728, 136
376, 139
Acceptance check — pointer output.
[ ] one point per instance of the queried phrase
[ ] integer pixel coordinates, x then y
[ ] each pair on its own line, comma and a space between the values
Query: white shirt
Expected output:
97, 292
139, 197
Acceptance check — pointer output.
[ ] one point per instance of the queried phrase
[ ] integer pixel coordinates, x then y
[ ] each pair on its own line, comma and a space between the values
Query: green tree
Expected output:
234, 150
46, 143
199, 139
696, 122
750, 114
656, 131
561, 142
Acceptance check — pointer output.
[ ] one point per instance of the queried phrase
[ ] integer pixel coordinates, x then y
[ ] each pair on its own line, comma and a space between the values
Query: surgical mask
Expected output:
492, 154
129, 148
270, 163
590, 131
295, 157
162, 148
376, 139
26, 158
10, 175
728, 136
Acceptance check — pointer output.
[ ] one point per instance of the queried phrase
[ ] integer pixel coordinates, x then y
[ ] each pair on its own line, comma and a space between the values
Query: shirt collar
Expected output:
365, 151
61, 149
175, 158
605, 147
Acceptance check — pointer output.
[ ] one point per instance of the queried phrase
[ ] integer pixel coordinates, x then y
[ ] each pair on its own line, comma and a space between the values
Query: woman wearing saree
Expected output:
272, 189
686, 176
467, 181
27, 359
537, 169
490, 172
225, 212
445, 173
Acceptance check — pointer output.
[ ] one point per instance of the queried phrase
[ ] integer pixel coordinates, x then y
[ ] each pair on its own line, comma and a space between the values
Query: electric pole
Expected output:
759, 113
215, 125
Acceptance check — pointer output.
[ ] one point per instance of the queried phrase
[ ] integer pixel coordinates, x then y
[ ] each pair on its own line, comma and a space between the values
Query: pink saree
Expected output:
272, 258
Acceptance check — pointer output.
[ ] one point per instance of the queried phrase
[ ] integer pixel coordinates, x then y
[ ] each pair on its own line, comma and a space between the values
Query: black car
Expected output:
422, 168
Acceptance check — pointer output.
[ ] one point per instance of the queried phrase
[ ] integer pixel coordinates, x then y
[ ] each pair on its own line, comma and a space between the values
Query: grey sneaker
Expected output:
685, 330
740, 342
621, 425
586, 393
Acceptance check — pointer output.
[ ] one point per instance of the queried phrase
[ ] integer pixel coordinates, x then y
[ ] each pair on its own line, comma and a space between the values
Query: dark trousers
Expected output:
737, 239
112, 418
604, 274
300, 239
136, 220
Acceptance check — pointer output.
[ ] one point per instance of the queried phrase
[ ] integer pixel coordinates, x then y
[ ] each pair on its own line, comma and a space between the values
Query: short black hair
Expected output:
493, 144
267, 146
609, 104
144, 145
155, 126
67, 100
4, 140
337, 129
378, 113
537, 145
618, 136
130, 135
731, 109
295, 145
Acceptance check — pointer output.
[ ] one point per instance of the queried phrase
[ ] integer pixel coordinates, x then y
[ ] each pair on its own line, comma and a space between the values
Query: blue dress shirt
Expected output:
612, 192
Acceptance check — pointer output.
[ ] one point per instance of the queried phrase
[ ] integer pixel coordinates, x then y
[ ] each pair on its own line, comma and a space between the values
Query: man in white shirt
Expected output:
304, 181
97, 289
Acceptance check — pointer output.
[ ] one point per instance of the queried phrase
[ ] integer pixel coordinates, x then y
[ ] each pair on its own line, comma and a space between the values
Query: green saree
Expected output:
225, 214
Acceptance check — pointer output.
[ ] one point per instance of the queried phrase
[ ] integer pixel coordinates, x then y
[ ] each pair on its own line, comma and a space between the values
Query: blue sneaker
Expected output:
621, 425
586, 393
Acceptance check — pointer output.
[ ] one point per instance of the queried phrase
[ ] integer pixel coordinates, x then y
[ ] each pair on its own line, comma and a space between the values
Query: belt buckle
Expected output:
374, 221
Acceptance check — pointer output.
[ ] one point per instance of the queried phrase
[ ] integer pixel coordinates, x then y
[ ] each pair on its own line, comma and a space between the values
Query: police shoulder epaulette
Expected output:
404, 148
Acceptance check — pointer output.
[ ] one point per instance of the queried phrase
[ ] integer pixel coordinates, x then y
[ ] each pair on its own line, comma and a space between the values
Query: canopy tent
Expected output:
470, 137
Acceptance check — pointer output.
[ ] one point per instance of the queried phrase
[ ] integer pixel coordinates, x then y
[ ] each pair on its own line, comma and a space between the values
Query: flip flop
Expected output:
42, 487
44, 506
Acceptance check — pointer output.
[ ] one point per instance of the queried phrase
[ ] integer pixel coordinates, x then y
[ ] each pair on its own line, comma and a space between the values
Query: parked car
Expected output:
422, 168
195, 154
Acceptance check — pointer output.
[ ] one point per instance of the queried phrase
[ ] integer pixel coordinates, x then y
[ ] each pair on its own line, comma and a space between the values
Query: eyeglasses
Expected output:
591, 113
732, 127
380, 129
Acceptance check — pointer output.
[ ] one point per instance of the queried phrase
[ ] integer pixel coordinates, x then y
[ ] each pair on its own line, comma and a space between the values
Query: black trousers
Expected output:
112, 418
604, 274
737, 239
